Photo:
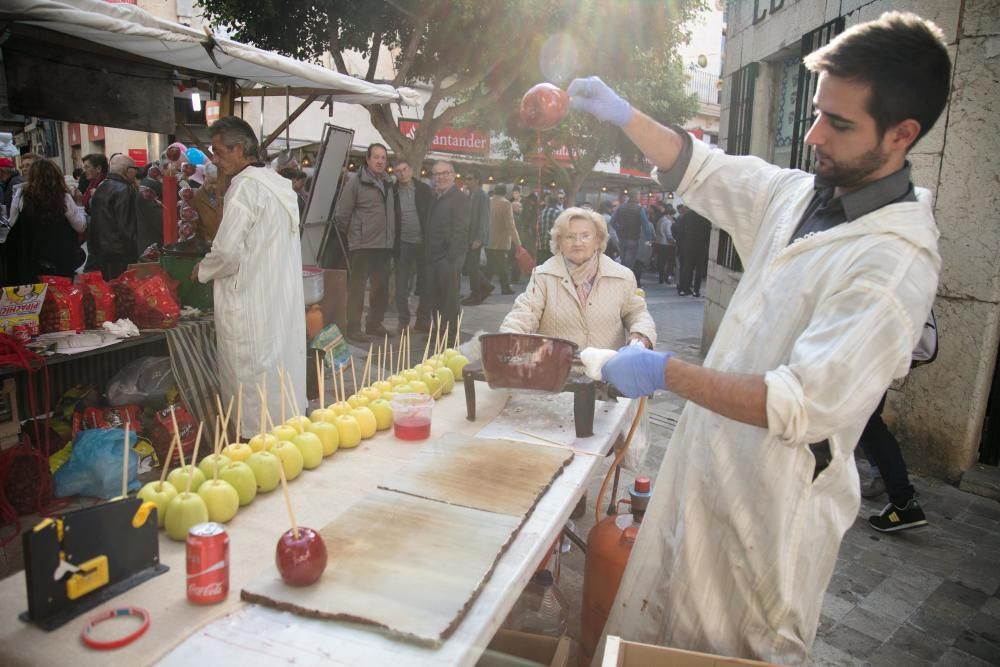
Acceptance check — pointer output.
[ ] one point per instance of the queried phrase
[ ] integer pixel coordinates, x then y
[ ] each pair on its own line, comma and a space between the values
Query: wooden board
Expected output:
502, 476
407, 564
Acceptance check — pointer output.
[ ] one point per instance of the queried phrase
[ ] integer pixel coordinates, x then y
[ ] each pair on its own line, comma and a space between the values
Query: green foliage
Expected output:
477, 57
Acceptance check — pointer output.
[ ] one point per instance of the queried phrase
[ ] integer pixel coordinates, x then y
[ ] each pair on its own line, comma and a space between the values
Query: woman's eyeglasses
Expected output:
586, 237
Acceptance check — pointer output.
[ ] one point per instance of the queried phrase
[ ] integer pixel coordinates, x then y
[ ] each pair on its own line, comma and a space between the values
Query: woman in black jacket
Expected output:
45, 226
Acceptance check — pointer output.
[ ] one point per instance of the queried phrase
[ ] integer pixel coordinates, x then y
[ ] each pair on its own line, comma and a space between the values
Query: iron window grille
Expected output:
802, 154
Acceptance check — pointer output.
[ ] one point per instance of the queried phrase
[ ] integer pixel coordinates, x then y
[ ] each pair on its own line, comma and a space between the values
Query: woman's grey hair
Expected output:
235, 131
561, 226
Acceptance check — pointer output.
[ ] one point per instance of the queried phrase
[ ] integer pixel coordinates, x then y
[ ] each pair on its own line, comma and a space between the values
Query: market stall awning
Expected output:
128, 29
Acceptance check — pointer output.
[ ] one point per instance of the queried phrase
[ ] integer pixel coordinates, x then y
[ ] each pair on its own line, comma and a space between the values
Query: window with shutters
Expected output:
802, 154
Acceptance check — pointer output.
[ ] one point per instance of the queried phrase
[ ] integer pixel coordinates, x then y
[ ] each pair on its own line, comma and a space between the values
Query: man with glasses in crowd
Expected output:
447, 239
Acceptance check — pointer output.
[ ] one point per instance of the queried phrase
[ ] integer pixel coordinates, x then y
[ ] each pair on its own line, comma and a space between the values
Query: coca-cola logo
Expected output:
209, 590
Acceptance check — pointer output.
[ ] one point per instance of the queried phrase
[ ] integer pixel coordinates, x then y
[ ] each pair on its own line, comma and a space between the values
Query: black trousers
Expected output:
412, 261
477, 283
369, 267
496, 265
694, 266
882, 450
444, 276
664, 258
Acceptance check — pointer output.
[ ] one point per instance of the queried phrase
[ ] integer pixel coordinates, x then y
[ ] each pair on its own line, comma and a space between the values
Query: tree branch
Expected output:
333, 29
410, 52
373, 57
513, 73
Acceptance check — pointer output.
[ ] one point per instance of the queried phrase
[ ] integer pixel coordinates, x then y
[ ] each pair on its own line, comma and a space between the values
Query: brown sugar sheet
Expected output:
407, 564
503, 476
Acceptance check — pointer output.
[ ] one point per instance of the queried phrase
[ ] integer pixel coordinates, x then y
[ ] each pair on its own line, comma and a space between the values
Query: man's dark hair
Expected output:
473, 175
234, 131
552, 200
903, 60
98, 161
77, 173
368, 153
500, 189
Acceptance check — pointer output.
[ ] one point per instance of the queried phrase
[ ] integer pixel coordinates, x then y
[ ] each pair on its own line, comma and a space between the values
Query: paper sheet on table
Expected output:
548, 416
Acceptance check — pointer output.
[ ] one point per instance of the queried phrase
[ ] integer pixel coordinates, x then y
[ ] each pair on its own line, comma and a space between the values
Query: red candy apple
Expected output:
300, 560
544, 106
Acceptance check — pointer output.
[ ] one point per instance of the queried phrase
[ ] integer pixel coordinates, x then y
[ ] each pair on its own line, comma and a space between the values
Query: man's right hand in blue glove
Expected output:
636, 371
593, 96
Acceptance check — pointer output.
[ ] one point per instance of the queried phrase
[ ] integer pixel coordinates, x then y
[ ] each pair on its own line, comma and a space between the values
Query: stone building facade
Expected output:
938, 411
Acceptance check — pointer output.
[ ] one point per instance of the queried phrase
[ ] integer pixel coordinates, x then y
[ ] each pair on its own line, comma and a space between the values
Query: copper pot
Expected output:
526, 361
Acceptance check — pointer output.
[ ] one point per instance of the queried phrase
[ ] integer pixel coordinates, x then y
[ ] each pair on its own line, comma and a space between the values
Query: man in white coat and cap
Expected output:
256, 263
758, 484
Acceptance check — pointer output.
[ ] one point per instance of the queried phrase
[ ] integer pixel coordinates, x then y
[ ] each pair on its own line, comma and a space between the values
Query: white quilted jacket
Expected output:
550, 306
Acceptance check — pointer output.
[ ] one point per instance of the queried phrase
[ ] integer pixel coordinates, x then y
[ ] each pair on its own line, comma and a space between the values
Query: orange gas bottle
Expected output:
609, 546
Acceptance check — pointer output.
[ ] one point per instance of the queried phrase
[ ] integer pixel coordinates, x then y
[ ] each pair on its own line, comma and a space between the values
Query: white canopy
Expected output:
133, 30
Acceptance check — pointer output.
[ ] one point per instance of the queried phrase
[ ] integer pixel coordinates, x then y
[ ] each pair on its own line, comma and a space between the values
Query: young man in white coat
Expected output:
256, 266
758, 485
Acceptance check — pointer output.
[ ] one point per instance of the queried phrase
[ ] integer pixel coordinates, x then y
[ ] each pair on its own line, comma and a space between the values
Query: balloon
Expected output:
195, 156
543, 106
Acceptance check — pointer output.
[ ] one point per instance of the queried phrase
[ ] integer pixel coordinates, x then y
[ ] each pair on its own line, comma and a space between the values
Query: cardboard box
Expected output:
621, 653
510, 648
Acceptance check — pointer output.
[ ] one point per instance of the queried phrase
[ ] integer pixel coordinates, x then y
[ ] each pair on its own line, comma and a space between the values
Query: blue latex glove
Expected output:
593, 96
636, 371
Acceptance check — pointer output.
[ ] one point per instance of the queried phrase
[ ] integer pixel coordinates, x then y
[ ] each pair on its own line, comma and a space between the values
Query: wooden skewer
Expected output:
378, 371
354, 377
288, 502
177, 435
281, 381
437, 334
224, 415
343, 391
385, 346
427, 348
216, 448
545, 442
166, 464
239, 411
444, 340
458, 329
368, 366
194, 457
128, 426
262, 393
295, 405
399, 354
390, 364
409, 345
320, 370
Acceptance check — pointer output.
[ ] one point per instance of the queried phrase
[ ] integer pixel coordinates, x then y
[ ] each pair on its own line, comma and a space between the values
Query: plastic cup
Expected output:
411, 416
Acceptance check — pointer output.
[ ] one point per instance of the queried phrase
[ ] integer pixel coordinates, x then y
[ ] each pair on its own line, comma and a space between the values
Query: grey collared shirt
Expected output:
825, 211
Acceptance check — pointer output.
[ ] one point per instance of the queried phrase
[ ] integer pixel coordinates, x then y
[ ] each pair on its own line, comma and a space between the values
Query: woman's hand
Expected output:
642, 339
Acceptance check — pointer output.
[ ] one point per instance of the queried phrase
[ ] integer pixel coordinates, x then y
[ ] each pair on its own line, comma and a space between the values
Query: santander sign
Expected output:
448, 139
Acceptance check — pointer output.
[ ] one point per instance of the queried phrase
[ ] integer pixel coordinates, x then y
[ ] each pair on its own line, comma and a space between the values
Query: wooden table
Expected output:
234, 632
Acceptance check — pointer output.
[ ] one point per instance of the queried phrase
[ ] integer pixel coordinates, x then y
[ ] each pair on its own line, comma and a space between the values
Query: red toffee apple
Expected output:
544, 106
300, 561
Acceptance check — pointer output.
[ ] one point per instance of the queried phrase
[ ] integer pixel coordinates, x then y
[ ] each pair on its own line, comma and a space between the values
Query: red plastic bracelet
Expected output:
108, 615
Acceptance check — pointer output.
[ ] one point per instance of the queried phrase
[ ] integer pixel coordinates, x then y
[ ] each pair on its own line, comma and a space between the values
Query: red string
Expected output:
14, 353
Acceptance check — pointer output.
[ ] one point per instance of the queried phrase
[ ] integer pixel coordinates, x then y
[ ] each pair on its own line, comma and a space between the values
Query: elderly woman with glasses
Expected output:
580, 294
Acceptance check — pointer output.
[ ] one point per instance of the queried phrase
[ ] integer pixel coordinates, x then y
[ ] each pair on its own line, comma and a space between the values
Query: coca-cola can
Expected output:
207, 563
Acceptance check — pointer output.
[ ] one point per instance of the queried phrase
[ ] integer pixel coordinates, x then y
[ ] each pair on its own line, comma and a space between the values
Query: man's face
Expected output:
848, 149
228, 160
90, 171
377, 160
404, 172
444, 177
26, 164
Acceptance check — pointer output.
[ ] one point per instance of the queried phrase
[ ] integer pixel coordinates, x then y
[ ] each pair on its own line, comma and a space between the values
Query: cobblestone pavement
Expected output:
929, 596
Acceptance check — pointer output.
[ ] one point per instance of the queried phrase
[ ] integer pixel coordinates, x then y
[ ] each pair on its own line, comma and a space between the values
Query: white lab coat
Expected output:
739, 543
256, 264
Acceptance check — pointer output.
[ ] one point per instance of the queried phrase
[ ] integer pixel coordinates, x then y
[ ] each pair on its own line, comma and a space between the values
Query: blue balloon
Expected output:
195, 156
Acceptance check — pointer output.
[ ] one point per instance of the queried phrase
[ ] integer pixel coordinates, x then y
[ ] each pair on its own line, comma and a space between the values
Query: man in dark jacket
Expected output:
692, 233
111, 235
447, 240
629, 220
366, 211
479, 236
413, 202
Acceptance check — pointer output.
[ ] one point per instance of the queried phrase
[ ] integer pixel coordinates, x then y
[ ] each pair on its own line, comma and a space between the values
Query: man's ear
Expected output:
904, 134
